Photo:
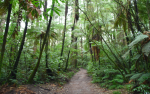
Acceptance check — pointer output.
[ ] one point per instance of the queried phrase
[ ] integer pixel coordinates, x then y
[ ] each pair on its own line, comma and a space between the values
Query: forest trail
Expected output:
80, 83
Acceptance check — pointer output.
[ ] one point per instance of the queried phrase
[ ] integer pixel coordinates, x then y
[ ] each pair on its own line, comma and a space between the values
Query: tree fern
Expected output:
137, 40
136, 76
144, 77
145, 49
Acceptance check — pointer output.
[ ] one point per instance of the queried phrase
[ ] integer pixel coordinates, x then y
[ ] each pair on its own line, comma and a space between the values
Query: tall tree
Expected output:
137, 16
5, 36
74, 38
14, 71
64, 30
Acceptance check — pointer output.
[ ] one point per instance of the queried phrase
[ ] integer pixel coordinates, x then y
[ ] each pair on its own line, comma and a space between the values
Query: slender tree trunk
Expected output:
14, 71
137, 17
45, 7
91, 52
63, 41
76, 53
129, 18
76, 18
46, 57
66, 11
2, 22
5, 36
15, 32
81, 49
30, 80
67, 61
48, 71
148, 11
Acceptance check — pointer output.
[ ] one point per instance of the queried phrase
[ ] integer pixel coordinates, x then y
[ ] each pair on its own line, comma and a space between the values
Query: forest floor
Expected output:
80, 83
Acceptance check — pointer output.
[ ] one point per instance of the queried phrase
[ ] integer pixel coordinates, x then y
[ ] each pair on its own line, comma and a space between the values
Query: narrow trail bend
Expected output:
81, 84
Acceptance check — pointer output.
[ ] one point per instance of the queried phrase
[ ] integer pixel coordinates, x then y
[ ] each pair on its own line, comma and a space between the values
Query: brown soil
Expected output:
79, 84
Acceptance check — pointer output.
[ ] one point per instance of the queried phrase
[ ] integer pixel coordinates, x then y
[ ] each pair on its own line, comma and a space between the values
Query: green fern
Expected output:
144, 77
136, 76
145, 49
137, 40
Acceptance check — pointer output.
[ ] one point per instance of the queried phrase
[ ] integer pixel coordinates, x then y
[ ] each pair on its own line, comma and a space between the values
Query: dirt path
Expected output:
79, 84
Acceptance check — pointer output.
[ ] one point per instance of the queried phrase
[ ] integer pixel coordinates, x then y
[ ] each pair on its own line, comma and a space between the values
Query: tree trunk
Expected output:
137, 17
48, 71
45, 7
148, 11
67, 61
14, 71
129, 18
76, 53
63, 41
91, 52
76, 18
30, 80
5, 37
2, 22
66, 11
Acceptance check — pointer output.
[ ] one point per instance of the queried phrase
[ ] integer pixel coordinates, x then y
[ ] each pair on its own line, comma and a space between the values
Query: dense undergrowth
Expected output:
128, 75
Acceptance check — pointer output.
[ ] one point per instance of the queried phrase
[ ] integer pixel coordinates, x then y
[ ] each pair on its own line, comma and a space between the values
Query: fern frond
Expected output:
144, 77
136, 76
137, 40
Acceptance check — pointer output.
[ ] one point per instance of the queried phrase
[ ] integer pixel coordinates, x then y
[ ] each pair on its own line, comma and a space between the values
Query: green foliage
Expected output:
116, 92
144, 89
137, 40
146, 49
106, 77
136, 76
144, 77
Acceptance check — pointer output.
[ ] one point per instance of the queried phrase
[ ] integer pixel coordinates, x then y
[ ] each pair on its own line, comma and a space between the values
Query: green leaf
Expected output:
35, 3
51, 13
63, 1
57, 12
48, 9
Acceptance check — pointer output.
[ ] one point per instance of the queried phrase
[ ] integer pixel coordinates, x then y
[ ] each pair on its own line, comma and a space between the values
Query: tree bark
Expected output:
129, 18
14, 71
148, 11
67, 61
63, 41
66, 11
45, 7
137, 17
5, 36
2, 22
